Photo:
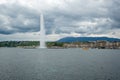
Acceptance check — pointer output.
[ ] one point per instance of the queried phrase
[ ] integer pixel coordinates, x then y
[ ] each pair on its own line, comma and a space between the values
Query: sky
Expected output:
20, 19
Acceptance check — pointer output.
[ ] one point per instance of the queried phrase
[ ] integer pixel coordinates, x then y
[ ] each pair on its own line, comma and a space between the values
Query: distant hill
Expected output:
83, 39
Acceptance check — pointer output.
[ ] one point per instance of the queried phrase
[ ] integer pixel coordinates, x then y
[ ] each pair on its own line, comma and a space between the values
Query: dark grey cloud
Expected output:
114, 12
83, 17
107, 15
16, 18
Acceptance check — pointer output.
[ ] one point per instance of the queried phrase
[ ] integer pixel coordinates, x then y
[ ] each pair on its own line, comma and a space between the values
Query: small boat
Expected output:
85, 48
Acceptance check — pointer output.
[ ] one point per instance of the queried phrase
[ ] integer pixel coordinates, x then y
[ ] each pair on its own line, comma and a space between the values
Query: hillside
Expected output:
84, 39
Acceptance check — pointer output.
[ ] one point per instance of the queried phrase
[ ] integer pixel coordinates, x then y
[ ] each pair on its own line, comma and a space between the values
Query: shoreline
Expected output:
62, 48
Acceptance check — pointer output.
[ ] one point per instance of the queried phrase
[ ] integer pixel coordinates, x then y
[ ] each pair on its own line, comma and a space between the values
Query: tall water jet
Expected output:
42, 32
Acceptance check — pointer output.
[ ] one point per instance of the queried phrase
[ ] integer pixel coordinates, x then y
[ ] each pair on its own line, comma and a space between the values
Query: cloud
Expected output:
17, 19
81, 17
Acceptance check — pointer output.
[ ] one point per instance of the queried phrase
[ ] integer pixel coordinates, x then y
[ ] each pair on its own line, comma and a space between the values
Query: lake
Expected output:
59, 64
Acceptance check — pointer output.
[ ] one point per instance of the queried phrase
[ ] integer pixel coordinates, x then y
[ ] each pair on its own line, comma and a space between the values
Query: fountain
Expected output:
42, 32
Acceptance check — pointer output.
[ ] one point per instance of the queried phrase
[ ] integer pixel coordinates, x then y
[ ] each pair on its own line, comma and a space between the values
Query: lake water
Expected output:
59, 64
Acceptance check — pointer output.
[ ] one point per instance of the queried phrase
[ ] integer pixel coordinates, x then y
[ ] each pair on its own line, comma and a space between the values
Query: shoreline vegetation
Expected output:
59, 45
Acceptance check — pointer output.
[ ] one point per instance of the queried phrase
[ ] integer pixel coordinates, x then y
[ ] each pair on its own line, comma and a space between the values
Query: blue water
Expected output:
59, 64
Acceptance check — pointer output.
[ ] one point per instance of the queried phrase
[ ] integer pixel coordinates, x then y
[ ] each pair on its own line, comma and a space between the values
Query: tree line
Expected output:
28, 43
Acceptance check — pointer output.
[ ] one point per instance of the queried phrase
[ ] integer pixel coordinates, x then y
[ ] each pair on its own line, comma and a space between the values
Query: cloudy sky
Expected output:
19, 19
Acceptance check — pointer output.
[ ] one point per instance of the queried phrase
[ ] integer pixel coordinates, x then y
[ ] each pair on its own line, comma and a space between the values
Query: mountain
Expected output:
83, 39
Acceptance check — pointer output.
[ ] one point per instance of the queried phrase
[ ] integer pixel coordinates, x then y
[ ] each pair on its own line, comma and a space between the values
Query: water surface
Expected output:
59, 64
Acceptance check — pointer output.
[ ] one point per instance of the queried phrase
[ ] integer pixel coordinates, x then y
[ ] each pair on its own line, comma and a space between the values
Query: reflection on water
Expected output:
59, 64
